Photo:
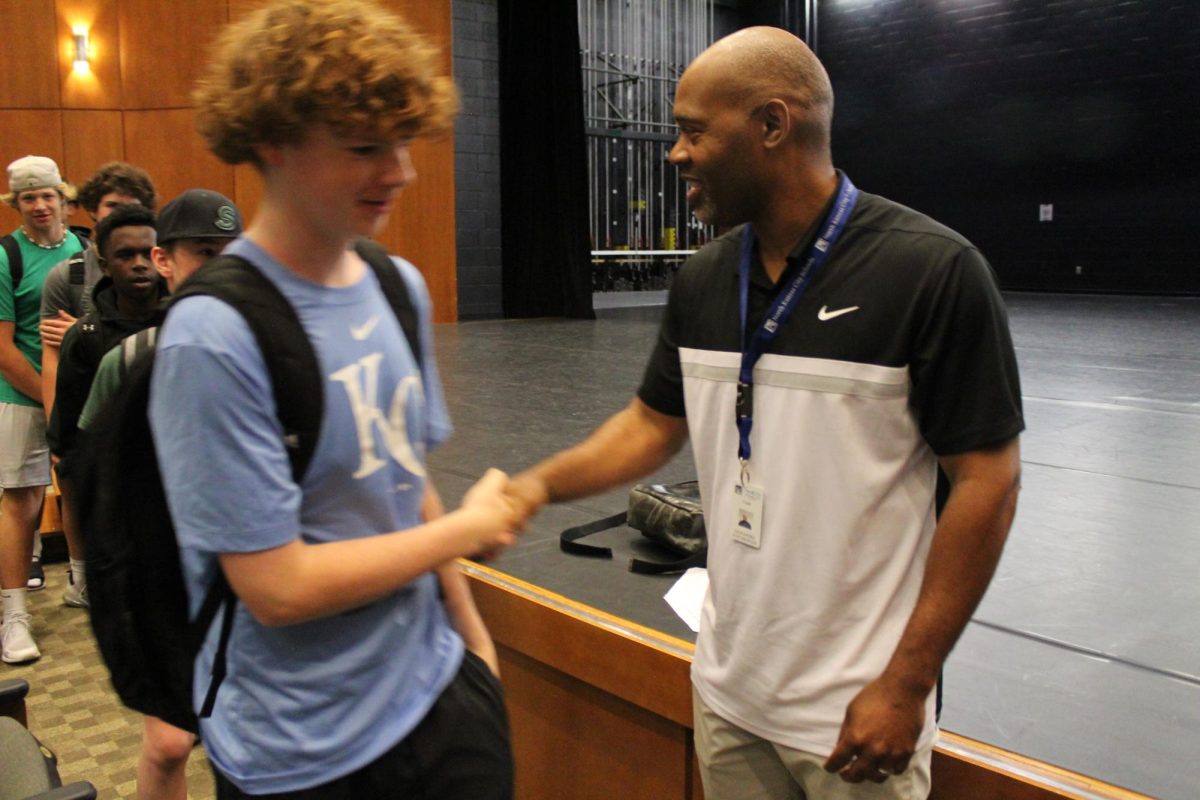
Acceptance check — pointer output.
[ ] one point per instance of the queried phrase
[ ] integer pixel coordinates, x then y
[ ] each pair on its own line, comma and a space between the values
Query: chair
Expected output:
28, 771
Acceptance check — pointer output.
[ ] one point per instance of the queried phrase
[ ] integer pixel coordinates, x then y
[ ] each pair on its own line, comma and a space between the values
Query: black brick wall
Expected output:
477, 158
978, 112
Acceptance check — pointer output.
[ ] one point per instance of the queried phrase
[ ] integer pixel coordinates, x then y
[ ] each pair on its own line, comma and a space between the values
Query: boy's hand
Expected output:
497, 520
53, 330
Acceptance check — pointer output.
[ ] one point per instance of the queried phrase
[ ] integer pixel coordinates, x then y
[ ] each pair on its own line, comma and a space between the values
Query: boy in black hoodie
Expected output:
125, 301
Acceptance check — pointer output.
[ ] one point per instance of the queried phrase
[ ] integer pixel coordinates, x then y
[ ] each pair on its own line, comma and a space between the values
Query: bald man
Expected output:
826, 355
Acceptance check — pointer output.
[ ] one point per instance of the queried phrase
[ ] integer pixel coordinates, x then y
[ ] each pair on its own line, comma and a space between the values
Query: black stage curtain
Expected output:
543, 162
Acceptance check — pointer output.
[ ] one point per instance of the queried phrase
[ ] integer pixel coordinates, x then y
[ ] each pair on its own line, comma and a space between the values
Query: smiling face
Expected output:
342, 187
127, 262
716, 151
42, 213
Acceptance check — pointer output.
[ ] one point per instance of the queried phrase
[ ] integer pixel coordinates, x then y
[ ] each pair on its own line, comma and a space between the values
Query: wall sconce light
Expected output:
82, 61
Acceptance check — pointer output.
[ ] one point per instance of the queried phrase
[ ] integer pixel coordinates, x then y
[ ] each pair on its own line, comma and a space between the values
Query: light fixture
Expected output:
82, 64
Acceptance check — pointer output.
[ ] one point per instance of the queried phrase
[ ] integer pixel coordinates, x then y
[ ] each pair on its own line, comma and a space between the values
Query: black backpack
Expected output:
139, 609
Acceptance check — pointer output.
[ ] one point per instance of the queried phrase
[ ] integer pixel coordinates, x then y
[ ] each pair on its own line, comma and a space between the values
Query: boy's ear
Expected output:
162, 262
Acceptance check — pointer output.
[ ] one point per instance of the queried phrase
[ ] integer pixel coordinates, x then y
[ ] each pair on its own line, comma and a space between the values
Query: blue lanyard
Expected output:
781, 308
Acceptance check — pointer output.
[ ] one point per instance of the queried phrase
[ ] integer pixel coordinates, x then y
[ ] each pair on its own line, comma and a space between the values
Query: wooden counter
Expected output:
602, 708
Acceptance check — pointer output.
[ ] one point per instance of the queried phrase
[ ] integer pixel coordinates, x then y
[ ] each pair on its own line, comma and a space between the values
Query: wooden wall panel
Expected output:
164, 47
135, 106
164, 142
90, 138
433, 20
247, 190
422, 226
24, 133
28, 55
100, 87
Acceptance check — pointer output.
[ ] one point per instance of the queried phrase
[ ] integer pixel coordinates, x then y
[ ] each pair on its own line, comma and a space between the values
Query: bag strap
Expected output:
394, 289
568, 540
134, 345
696, 559
16, 264
76, 269
288, 355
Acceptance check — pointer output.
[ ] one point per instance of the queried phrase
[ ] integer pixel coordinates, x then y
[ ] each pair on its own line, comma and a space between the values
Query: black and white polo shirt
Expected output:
899, 351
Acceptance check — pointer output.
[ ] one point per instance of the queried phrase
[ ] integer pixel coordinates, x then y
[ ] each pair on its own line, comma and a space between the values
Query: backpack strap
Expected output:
394, 289
289, 357
16, 264
133, 346
76, 269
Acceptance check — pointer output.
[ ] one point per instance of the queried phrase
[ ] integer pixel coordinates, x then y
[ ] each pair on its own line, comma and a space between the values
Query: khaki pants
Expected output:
738, 765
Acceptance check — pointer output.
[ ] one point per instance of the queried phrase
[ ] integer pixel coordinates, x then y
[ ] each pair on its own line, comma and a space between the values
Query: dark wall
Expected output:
477, 158
980, 111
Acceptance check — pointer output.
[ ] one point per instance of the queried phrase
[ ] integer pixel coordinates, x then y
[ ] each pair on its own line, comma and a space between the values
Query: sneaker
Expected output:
16, 640
74, 596
37, 575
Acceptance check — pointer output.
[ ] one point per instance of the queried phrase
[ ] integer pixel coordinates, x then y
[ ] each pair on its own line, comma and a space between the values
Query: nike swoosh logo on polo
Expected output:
361, 332
825, 314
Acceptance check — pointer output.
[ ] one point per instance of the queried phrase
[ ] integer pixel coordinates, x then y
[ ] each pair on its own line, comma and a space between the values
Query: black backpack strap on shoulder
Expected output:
394, 289
77, 269
299, 400
16, 264
568, 540
288, 355
136, 345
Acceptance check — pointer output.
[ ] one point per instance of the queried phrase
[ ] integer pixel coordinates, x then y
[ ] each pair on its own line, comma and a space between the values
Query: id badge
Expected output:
747, 514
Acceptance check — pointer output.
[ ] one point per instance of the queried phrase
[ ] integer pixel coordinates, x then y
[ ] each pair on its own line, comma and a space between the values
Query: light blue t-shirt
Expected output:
304, 704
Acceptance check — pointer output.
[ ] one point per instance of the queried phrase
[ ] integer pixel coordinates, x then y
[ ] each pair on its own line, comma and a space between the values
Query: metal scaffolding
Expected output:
634, 52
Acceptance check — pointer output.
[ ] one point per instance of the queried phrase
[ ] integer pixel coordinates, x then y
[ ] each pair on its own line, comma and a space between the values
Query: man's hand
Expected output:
53, 330
879, 734
527, 494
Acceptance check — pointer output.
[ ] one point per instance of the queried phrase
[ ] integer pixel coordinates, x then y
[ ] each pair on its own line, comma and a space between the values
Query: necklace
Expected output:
54, 246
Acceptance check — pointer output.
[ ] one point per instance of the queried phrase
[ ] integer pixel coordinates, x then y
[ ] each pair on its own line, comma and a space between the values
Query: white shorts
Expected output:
24, 455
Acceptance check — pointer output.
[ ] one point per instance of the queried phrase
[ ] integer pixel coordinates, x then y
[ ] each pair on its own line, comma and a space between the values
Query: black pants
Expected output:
460, 751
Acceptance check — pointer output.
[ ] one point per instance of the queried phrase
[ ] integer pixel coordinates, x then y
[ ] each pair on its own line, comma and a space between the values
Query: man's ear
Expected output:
161, 262
102, 261
777, 122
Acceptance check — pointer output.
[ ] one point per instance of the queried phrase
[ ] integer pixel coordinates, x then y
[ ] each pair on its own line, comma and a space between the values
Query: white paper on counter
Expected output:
687, 596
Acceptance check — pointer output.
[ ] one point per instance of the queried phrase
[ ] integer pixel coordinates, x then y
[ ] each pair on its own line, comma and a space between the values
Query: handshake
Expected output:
494, 511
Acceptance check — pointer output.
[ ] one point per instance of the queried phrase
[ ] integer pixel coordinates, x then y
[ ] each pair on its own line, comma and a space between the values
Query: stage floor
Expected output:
1085, 652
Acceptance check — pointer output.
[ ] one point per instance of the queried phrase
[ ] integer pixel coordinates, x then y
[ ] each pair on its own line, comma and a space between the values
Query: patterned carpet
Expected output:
74, 711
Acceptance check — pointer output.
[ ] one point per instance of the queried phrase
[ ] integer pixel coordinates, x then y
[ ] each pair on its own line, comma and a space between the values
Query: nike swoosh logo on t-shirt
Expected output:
825, 314
361, 332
